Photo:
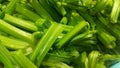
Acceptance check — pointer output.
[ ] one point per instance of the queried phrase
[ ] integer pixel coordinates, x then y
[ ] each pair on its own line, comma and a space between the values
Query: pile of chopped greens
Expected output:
59, 33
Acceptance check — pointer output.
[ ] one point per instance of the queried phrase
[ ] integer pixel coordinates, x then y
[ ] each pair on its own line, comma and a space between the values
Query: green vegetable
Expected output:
10, 8
92, 59
50, 10
16, 32
56, 64
45, 43
98, 5
22, 60
72, 33
26, 25
59, 33
115, 31
58, 7
115, 11
40, 10
89, 18
13, 43
107, 39
64, 20
84, 60
6, 58
27, 13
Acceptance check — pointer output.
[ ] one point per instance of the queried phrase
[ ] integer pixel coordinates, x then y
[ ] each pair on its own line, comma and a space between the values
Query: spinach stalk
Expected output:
46, 43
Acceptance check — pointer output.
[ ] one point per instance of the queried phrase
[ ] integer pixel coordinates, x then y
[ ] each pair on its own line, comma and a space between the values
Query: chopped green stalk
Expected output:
72, 33
115, 31
106, 39
26, 12
56, 64
22, 60
60, 58
45, 43
79, 37
103, 20
74, 7
115, 11
89, 19
83, 60
26, 25
67, 28
58, 7
40, 10
40, 25
53, 13
10, 8
67, 33
111, 57
100, 5
4, 26
37, 35
13, 43
93, 58
6, 58
75, 18
64, 20
7, 63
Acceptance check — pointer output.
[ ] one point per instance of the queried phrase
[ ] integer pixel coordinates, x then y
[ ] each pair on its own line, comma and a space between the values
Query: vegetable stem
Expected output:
45, 43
